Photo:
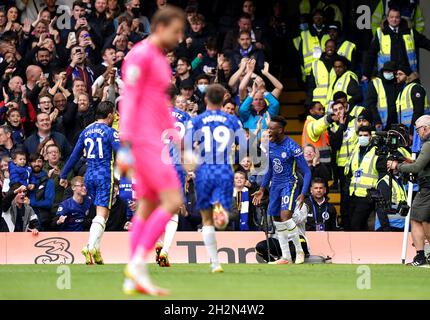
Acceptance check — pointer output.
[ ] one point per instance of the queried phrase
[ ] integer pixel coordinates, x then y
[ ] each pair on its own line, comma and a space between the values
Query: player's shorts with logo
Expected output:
282, 198
100, 189
214, 184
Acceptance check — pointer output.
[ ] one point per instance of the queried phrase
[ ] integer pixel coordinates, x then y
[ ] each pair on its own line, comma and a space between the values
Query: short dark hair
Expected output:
78, 3
245, 16
166, 15
336, 102
18, 153
215, 94
42, 49
368, 129
103, 109
185, 60
173, 92
318, 180
211, 43
34, 157
313, 104
279, 119
342, 59
339, 95
202, 76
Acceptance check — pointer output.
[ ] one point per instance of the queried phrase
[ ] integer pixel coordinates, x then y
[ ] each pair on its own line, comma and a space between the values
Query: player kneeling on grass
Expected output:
270, 250
284, 157
214, 132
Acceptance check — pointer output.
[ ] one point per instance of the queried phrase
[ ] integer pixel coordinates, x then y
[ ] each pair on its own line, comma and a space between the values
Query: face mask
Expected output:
202, 87
136, 12
363, 141
318, 116
304, 26
388, 75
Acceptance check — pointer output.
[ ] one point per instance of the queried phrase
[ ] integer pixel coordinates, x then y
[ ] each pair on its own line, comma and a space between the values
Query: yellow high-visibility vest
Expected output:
382, 104
405, 106
384, 54
340, 84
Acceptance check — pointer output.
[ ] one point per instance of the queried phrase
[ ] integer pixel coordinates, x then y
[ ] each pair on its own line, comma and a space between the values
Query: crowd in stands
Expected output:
55, 69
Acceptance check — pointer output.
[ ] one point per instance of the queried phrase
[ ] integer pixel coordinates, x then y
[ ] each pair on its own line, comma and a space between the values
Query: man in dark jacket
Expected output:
43, 194
77, 117
43, 124
400, 37
7, 146
244, 24
382, 95
247, 49
321, 214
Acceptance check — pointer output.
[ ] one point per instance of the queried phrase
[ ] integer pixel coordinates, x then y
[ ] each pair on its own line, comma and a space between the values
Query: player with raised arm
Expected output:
215, 133
181, 121
284, 157
144, 118
100, 143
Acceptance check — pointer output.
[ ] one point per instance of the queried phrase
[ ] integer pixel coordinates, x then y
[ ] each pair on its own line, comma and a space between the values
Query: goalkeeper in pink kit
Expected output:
144, 118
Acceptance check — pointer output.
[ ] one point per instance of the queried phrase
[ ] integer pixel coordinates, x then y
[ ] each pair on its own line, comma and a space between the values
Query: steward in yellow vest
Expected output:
395, 41
345, 81
416, 19
308, 42
344, 47
382, 95
321, 75
412, 101
392, 222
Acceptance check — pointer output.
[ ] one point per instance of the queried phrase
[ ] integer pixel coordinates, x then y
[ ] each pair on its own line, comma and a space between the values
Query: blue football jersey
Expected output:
75, 213
126, 193
100, 143
283, 162
181, 123
215, 132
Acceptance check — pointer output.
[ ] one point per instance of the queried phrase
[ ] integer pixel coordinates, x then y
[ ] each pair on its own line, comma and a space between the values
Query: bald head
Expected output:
423, 121
33, 73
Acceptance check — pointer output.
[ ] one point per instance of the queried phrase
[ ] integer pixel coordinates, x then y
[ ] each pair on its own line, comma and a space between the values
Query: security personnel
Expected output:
363, 175
412, 101
382, 95
395, 41
345, 81
385, 222
315, 131
308, 43
411, 12
321, 75
344, 47
343, 140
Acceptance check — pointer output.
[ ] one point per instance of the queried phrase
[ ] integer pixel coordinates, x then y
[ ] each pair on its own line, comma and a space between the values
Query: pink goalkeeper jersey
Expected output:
144, 107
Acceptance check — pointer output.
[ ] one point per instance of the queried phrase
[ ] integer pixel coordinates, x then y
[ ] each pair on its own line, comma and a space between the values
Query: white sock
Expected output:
282, 232
138, 268
209, 239
96, 232
294, 235
169, 234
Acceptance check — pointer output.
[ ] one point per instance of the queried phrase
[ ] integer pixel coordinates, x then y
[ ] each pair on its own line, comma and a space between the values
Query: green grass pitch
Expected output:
240, 281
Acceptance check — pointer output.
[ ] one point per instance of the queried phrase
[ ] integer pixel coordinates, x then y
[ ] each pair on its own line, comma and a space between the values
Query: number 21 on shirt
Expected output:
90, 145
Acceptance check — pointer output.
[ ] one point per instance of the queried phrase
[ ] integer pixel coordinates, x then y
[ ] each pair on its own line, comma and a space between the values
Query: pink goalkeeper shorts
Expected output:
152, 174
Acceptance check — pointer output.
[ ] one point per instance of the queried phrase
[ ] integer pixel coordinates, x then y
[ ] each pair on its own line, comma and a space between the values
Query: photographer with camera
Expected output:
392, 207
420, 212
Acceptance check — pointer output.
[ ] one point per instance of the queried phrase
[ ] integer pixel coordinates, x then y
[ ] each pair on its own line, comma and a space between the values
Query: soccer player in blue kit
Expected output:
284, 157
215, 132
100, 143
181, 123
